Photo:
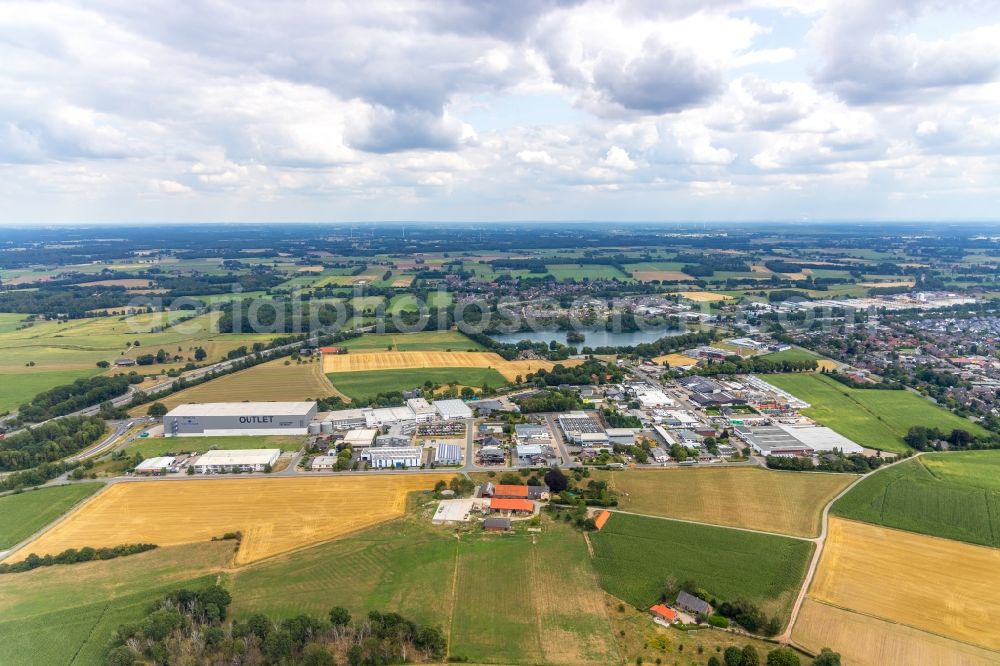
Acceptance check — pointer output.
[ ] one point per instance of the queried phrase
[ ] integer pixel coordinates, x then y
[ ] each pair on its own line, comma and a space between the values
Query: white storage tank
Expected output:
314, 428
326, 426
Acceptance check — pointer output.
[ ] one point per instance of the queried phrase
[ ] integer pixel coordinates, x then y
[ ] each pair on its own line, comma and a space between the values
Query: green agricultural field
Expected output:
152, 447
9, 321
67, 614
23, 514
423, 341
404, 302
579, 272
636, 557
359, 386
18, 388
951, 495
874, 418
793, 354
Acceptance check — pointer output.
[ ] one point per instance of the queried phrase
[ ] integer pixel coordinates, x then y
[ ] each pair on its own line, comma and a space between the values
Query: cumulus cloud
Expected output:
459, 108
868, 57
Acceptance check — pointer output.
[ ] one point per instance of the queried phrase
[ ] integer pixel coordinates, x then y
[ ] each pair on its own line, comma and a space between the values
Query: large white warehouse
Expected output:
238, 418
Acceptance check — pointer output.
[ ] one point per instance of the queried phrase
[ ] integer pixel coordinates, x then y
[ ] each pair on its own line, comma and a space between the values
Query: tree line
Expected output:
49, 442
189, 626
69, 398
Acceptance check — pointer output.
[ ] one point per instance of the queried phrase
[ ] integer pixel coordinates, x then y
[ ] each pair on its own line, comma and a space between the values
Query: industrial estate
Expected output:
787, 464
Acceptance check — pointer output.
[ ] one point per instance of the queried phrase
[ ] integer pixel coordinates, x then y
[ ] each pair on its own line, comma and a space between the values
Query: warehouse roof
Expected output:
243, 409
239, 457
510, 490
360, 436
455, 409
160, 462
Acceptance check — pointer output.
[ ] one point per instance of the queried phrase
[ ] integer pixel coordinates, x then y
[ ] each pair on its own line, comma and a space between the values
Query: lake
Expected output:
598, 338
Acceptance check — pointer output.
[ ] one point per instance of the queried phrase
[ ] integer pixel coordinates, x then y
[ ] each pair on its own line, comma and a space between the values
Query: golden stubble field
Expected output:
367, 361
749, 497
862, 640
934, 585
275, 515
271, 381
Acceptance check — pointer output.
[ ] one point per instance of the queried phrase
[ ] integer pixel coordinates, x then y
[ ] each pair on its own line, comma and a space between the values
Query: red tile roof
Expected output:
504, 490
666, 613
511, 505
602, 518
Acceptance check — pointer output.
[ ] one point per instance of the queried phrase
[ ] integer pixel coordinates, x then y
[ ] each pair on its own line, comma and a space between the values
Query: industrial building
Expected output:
217, 419
577, 424
242, 460
347, 419
624, 436
360, 438
772, 441
452, 409
422, 410
823, 439
447, 454
393, 456
156, 466
322, 462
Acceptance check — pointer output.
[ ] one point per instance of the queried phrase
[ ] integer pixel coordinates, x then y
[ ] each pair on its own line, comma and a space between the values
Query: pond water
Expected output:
598, 338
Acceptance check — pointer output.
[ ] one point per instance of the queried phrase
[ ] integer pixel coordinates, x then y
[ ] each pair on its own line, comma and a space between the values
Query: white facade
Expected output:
347, 419
393, 456
244, 460
653, 398
323, 462
422, 410
158, 465
452, 409
221, 419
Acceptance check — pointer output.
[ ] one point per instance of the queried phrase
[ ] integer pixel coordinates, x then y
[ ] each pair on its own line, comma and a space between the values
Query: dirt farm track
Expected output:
360, 361
275, 515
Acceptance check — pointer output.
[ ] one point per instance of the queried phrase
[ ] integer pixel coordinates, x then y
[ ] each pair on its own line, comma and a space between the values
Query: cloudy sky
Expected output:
149, 111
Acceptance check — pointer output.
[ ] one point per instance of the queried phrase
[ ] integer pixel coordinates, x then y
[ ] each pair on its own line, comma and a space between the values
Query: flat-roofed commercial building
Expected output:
221, 419
452, 409
360, 438
422, 410
772, 441
446, 453
243, 460
393, 456
156, 466
347, 419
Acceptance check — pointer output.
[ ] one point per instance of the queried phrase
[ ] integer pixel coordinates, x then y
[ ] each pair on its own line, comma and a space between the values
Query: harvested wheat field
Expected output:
275, 515
398, 360
865, 641
935, 585
675, 360
825, 364
268, 381
704, 296
402, 281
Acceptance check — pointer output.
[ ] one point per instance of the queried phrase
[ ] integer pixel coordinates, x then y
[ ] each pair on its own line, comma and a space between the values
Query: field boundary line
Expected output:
4, 554
454, 590
901, 624
705, 524
820, 541
91, 634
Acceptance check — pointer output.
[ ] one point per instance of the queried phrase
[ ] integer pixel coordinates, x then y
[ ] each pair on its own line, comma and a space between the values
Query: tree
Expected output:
316, 655
340, 616
103, 364
157, 410
556, 480
732, 656
714, 661
827, 657
749, 656
120, 656
782, 657
200, 354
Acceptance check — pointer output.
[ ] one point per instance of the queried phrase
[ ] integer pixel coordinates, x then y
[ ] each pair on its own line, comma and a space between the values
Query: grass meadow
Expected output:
67, 614
23, 514
636, 557
158, 446
874, 418
17, 388
953, 495
359, 386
